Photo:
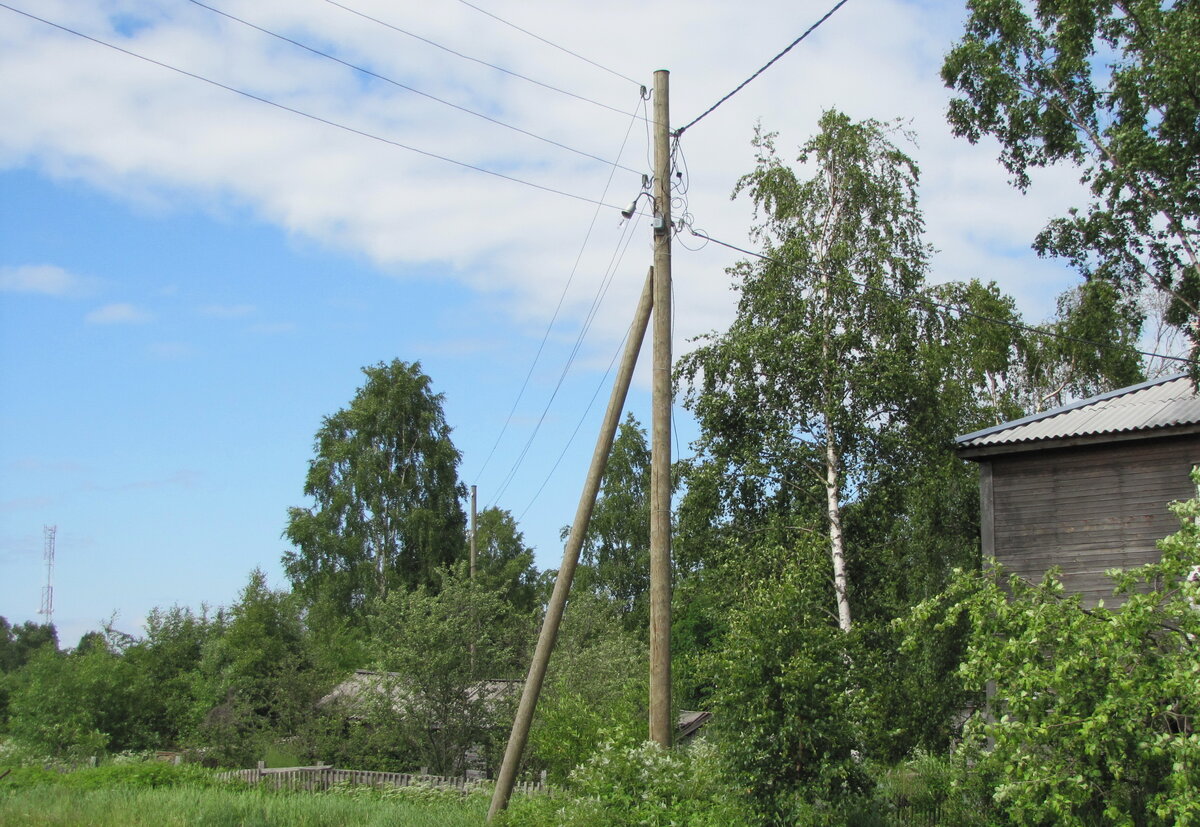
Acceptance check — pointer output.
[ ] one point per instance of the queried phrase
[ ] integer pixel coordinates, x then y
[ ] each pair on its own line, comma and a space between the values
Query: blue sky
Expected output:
190, 279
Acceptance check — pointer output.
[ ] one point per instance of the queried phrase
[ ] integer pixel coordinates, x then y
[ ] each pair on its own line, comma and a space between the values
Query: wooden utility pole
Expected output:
566, 572
661, 729
474, 529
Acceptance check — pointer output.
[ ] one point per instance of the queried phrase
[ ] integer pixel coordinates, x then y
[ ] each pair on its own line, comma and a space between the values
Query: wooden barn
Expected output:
1085, 487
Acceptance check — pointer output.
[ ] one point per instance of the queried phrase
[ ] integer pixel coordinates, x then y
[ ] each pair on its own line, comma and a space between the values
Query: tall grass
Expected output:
43, 806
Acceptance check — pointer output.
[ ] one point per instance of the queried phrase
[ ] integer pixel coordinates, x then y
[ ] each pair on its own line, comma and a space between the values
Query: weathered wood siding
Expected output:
1086, 509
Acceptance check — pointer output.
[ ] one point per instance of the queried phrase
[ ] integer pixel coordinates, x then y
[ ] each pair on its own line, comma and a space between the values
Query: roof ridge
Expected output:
1074, 406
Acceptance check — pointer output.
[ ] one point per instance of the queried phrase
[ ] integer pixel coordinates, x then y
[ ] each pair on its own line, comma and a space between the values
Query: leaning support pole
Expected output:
566, 572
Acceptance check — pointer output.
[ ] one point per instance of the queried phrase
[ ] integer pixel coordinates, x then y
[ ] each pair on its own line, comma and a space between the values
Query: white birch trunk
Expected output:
836, 546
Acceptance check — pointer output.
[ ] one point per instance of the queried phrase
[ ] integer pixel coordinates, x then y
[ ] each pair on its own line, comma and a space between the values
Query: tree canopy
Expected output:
1112, 87
388, 509
824, 335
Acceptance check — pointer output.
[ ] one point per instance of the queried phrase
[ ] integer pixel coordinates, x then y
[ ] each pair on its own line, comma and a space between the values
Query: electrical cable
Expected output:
558, 307
447, 49
601, 291
768, 65
934, 303
578, 425
311, 116
591, 402
549, 42
408, 88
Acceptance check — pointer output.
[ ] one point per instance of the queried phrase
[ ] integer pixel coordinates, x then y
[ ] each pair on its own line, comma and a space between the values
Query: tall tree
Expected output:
1112, 87
19, 642
258, 676
505, 561
388, 507
825, 331
79, 704
616, 549
167, 663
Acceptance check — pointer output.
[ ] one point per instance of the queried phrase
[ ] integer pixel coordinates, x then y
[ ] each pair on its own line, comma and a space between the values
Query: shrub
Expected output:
1093, 711
141, 775
626, 783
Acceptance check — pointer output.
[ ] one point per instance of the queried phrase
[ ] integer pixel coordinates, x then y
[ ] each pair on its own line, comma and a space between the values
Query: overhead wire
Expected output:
311, 116
408, 88
961, 311
597, 300
548, 42
583, 417
557, 309
459, 54
578, 425
768, 65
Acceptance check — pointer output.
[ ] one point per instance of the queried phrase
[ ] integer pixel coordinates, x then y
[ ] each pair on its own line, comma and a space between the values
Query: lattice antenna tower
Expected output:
48, 590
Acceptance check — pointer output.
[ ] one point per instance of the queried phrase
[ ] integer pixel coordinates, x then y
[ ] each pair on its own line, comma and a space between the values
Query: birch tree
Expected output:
1113, 88
807, 375
388, 503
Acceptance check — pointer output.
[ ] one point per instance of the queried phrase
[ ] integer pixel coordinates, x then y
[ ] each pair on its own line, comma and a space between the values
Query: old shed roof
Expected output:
1137, 411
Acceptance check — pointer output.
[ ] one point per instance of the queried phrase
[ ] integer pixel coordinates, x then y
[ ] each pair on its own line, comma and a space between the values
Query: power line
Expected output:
311, 116
949, 308
406, 87
549, 42
554, 317
768, 65
601, 292
447, 49
578, 425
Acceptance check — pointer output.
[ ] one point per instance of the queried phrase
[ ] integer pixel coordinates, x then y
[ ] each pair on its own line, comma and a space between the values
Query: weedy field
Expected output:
116, 796
217, 807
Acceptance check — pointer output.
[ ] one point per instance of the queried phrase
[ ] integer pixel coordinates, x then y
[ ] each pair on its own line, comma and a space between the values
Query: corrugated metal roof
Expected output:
1160, 403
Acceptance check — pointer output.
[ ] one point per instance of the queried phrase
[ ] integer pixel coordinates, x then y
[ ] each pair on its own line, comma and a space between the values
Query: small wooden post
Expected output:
474, 530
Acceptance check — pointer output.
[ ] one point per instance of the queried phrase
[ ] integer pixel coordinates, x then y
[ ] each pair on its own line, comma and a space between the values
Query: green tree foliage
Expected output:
784, 697
596, 688
824, 335
17, 645
448, 653
828, 410
385, 482
258, 676
1111, 87
505, 563
1002, 367
19, 642
79, 704
1092, 718
616, 550
167, 666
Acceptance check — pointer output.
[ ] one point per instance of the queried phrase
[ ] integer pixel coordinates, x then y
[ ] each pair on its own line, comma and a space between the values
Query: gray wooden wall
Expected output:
1084, 509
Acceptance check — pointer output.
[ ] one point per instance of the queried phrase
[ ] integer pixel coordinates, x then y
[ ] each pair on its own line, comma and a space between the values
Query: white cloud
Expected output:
171, 350
25, 504
226, 311
118, 313
44, 279
78, 110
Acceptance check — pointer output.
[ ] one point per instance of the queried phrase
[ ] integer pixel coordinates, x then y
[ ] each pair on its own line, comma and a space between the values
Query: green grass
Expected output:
216, 807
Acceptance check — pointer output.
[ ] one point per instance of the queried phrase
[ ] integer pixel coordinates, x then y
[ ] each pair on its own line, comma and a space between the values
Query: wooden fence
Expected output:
322, 777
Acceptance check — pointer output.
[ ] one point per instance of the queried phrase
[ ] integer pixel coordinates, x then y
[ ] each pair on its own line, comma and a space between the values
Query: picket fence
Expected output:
322, 777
